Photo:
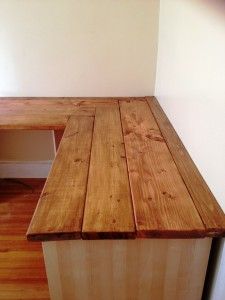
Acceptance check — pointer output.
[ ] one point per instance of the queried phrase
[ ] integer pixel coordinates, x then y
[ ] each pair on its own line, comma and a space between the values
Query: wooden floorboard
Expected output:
22, 271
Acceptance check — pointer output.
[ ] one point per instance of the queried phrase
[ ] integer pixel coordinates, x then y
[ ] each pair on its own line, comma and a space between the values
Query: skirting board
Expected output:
26, 169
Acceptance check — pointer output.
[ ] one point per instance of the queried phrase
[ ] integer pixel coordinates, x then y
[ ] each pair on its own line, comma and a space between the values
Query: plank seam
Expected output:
108, 232
124, 145
88, 173
176, 164
59, 235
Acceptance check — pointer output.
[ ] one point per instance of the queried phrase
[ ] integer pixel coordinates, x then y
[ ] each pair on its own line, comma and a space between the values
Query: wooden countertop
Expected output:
120, 171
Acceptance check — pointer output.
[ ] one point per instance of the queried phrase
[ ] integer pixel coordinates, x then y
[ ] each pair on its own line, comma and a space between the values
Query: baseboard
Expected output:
27, 169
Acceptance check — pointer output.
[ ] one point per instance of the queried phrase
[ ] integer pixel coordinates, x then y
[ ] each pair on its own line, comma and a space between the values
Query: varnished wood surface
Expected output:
205, 202
22, 270
163, 196
62, 201
108, 210
45, 113
40, 121
160, 197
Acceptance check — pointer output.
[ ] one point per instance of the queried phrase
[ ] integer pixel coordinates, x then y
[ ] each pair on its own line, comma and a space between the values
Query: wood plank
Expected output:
58, 103
162, 204
53, 113
139, 269
42, 109
59, 212
211, 213
66, 106
39, 120
33, 121
108, 210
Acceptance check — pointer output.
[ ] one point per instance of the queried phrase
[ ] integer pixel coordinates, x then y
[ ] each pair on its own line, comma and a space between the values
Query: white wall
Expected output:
76, 48
190, 85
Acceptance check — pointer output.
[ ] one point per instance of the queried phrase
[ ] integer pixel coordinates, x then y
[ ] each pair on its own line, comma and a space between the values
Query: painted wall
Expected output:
75, 48
190, 85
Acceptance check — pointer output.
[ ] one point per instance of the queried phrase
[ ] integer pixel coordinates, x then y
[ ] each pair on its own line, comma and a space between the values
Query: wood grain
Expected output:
211, 213
170, 197
45, 113
38, 120
162, 204
59, 212
108, 209
33, 121
22, 270
20, 186
51, 105
140, 269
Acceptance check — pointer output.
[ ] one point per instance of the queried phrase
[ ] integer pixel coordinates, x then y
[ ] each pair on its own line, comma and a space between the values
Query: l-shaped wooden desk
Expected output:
124, 213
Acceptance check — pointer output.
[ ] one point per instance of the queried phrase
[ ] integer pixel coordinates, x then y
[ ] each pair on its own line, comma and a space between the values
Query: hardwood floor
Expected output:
22, 271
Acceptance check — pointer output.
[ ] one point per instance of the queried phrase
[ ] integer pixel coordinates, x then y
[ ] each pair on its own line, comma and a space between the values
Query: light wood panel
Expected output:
162, 204
59, 212
206, 204
108, 209
129, 269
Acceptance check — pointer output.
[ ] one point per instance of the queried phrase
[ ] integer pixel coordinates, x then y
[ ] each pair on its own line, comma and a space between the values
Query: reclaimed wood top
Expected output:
120, 171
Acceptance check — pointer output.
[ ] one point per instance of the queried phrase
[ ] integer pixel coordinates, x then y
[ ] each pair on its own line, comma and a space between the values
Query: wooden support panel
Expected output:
139, 269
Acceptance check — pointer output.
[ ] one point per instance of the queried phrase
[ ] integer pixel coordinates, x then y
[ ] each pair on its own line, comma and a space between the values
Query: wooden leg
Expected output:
58, 136
127, 269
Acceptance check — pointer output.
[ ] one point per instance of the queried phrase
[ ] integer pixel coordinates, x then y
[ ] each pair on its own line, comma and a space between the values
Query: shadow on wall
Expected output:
25, 154
216, 7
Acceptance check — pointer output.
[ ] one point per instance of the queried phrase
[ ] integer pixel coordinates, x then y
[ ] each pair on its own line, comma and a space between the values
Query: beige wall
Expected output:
191, 81
78, 48
26, 145
190, 85
74, 48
